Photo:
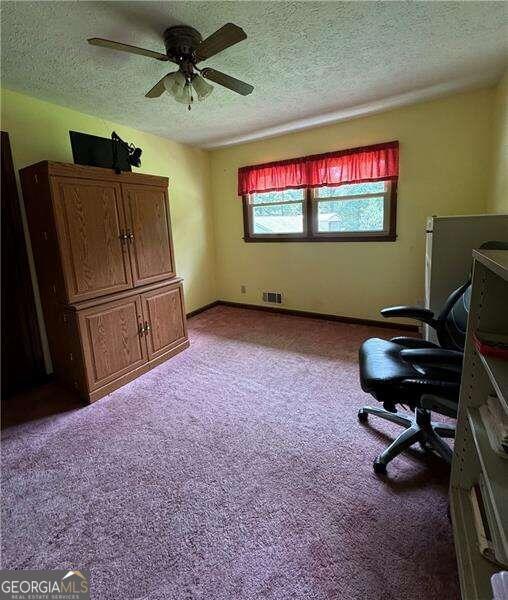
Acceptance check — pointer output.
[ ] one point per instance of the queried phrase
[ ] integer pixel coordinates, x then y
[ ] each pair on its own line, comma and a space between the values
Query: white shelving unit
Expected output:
475, 460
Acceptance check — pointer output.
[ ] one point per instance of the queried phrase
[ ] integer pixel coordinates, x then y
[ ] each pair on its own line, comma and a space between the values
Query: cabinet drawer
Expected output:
113, 340
165, 321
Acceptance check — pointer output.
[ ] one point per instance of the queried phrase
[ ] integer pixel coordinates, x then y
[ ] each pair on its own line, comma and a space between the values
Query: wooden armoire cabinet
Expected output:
103, 251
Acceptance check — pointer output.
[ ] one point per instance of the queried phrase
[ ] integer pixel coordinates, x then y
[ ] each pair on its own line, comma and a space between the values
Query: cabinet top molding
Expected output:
98, 173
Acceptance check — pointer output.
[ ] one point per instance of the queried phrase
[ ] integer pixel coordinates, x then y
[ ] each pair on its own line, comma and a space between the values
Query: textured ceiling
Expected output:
305, 59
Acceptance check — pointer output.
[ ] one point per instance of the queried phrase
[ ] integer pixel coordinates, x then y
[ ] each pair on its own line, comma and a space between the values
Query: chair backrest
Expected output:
451, 324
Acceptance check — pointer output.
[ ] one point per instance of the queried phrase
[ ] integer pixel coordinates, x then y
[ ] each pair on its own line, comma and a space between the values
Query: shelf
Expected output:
495, 260
495, 473
497, 370
474, 570
475, 460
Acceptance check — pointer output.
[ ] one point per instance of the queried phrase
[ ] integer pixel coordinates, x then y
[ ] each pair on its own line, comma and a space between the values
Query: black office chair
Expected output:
417, 373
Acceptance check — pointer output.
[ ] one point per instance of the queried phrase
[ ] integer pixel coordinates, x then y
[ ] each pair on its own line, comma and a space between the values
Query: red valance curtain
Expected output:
358, 165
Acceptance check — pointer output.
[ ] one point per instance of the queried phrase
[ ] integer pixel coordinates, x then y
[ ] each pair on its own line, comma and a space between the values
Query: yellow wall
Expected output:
447, 150
498, 201
40, 131
445, 156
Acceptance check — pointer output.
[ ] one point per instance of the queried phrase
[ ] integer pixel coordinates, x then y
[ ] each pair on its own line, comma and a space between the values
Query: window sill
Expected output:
328, 238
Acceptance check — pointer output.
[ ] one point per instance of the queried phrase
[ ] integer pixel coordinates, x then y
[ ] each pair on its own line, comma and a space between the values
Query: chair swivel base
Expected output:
419, 429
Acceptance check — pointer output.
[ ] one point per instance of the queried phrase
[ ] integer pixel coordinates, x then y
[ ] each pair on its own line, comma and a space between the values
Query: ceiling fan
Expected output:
186, 48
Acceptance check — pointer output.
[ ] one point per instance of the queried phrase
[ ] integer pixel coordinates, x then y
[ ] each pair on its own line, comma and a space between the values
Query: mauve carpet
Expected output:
237, 470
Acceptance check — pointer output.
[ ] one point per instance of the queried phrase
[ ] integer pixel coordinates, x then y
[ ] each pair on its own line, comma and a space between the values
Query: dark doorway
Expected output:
22, 356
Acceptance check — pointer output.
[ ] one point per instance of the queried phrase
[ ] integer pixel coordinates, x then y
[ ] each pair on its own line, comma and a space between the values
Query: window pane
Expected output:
373, 187
282, 218
285, 196
366, 214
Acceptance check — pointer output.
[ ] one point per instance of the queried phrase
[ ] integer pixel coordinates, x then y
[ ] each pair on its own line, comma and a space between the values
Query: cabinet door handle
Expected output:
147, 327
130, 236
123, 236
141, 330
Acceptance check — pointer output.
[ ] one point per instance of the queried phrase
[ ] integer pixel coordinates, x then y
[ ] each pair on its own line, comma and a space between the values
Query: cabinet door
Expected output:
164, 313
147, 216
113, 340
90, 221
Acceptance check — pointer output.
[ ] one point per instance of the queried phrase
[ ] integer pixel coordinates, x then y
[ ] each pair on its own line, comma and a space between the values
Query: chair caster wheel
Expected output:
362, 416
379, 468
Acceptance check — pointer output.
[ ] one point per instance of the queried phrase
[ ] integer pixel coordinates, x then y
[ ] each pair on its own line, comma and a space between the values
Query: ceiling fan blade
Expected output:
126, 48
240, 87
228, 35
157, 90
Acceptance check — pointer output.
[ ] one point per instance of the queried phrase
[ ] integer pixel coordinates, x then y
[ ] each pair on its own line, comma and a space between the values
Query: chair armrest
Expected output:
410, 312
432, 356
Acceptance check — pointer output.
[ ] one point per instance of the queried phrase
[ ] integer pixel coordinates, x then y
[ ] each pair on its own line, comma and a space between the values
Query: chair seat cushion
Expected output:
381, 365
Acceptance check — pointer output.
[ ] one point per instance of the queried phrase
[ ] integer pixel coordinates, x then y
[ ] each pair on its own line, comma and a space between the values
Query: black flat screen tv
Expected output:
95, 151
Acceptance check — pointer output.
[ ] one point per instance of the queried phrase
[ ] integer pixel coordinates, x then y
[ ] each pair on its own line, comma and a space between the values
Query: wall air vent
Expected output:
272, 297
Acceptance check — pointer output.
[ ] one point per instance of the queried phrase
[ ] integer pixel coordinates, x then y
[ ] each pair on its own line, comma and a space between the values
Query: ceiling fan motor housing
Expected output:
181, 41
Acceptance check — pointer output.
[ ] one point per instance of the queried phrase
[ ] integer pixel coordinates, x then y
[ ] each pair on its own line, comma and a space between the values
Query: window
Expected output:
348, 212
277, 213
347, 195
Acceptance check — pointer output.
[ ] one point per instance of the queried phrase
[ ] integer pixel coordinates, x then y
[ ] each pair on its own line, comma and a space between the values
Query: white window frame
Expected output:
386, 195
251, 206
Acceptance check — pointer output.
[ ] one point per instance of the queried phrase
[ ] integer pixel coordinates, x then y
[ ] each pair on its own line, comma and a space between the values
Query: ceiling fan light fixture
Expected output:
169, 82
203, 88
175, 83
184, 95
